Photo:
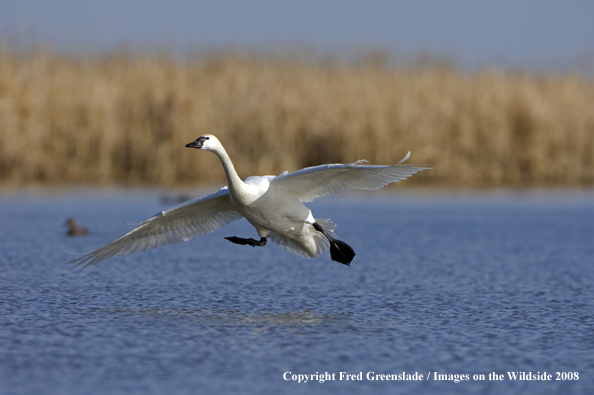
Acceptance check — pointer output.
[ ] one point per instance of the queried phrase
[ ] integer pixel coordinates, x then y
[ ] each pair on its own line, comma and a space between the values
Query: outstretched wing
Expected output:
181, 223
317, 181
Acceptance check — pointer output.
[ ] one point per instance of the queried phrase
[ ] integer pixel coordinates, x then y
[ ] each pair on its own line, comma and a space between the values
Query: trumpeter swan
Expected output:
272, 204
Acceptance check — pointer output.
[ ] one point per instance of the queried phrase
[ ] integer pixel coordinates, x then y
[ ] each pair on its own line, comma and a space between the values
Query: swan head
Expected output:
208, 142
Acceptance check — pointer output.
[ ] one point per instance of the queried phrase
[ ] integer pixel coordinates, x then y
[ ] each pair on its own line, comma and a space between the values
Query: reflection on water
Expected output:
452, 284
290, 319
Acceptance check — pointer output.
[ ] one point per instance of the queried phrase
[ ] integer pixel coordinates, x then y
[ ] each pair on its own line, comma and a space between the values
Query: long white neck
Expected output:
236, 185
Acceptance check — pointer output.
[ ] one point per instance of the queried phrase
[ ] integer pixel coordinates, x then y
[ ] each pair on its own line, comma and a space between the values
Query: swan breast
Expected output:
270, 208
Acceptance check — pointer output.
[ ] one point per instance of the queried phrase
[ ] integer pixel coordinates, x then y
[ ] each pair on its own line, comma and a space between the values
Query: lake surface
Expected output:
451, 286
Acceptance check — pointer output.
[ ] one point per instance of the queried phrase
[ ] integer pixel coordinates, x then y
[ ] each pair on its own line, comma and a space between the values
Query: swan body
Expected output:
272, 204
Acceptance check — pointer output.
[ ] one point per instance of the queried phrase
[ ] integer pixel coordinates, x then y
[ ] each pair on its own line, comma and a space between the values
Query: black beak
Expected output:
195, 144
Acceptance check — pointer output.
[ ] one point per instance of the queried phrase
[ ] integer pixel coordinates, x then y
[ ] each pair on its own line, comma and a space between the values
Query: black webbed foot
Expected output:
248, 242
339, 250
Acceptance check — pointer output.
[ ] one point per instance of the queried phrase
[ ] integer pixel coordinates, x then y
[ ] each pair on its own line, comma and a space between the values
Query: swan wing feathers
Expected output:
181, 223
317, 181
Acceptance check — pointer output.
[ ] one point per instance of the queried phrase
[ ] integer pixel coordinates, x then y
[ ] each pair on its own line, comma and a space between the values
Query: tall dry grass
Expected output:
125, 117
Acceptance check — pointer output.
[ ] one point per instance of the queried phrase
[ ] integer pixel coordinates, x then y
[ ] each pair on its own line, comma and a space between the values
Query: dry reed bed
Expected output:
125, 117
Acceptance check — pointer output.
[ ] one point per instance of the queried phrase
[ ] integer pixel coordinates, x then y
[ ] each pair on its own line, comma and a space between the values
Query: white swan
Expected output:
272, 204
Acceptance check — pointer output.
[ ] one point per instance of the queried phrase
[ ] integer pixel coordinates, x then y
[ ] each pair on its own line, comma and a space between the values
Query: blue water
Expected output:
442, 284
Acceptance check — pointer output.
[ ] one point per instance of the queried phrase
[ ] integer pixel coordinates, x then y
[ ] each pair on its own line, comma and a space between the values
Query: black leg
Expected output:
319, 228
339, 250
248, 242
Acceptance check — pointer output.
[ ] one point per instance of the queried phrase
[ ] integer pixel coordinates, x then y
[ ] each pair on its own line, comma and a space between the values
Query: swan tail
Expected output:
341, 252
